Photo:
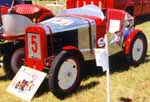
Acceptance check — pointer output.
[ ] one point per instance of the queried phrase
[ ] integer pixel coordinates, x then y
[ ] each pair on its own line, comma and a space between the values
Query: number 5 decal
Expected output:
34, 44
34, 49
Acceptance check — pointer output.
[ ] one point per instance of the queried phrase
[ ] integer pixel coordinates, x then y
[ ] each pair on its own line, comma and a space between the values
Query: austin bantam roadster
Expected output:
62, 44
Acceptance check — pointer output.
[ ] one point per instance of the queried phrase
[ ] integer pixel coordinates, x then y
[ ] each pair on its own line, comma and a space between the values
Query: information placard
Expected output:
26, 83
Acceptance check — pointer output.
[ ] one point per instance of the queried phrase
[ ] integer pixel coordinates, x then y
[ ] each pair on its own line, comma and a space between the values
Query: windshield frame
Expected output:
90, 10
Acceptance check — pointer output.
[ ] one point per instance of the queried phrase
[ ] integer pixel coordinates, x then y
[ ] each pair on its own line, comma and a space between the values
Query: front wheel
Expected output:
138, 49
65, 73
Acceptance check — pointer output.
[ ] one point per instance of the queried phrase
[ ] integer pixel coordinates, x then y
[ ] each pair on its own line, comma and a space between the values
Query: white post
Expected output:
102, 59
108, 84
107, 69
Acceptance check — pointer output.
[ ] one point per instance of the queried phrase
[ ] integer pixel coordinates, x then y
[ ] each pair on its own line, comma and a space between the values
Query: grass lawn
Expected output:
128, 84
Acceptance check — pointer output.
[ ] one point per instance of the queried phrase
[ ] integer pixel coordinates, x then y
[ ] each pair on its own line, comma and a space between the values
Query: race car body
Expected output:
68, 30
62, 44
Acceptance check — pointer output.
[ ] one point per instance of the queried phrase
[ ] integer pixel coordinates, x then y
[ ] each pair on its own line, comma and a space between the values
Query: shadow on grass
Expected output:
147, 59
44, 88
142, 19
83, 88
88, 86
117, 63
5, 77
122, 99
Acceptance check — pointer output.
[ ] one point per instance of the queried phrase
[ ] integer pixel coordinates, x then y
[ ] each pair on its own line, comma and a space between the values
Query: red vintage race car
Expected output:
13, 21
62, 44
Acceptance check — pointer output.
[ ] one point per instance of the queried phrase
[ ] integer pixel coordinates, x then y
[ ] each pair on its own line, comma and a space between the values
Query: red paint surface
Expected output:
129, 40
34, 62
140, 7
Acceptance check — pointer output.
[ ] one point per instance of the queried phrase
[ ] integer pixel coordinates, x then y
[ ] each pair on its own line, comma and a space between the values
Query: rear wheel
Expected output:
6, 65
13, 61
17, 59
65, 73
138, 49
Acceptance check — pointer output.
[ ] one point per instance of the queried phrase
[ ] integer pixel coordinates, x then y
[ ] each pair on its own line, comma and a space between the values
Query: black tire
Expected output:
9, 61
137, 50
55, 81
6, 65
17, 59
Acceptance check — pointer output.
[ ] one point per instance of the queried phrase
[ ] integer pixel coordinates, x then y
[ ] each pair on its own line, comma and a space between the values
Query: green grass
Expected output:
56, 9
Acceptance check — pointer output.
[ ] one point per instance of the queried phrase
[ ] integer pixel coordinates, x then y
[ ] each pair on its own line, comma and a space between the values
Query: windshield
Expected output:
90, 10
6, 3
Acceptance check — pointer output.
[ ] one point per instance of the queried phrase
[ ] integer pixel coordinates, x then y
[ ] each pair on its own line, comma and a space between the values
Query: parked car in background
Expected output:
14, 20
133, 7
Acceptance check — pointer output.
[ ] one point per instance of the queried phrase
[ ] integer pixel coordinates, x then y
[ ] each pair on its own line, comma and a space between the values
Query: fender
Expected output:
4, 10
44, 17
44, 14
129, 40
68, 48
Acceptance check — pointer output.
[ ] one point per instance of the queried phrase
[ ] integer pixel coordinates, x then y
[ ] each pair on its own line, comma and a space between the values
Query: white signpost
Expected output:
102, 59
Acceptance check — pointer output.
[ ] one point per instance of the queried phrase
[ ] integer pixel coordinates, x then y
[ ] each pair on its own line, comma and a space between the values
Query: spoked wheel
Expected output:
138, 50
17, 59
65, 73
